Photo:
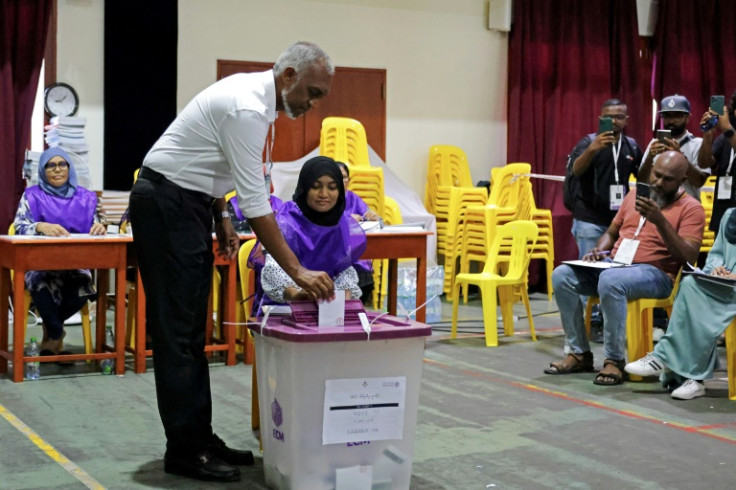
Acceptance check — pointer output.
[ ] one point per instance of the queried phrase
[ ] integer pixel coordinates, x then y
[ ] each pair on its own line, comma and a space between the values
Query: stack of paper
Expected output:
68, 134
30, 167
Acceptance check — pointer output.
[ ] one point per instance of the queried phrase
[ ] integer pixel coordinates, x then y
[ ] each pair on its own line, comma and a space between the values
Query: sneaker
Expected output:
688, 390
646, 366
596, 332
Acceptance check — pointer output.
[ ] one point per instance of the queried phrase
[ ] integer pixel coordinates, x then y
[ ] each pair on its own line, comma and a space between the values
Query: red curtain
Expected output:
23, 31
694, 52
565, 58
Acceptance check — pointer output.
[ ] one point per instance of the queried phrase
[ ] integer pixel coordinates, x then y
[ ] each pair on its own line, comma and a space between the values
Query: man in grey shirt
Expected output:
215, 142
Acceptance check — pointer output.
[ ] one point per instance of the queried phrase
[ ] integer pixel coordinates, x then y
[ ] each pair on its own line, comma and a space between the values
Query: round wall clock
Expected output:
60, 99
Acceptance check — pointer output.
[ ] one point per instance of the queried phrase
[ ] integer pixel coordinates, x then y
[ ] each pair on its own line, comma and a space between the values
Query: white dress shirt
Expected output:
690, 150
216, 143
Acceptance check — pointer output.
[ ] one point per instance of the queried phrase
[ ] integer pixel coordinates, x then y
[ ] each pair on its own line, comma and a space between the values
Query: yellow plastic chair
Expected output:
344, 140
392, 216
520, 236
247, 286
731, 359
84, 312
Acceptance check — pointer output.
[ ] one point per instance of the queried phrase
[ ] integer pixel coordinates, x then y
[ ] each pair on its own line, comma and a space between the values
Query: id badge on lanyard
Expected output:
627, 249
725, 183
616, 191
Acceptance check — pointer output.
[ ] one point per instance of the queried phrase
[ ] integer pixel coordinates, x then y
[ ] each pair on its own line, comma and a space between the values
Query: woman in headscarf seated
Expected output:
356, 207
321, 235
686, 355
58, 206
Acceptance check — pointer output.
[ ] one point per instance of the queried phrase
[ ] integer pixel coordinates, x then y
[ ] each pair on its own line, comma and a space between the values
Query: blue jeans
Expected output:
586, 235
615, 287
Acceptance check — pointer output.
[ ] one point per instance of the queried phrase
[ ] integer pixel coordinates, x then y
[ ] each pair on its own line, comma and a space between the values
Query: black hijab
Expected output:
312, 170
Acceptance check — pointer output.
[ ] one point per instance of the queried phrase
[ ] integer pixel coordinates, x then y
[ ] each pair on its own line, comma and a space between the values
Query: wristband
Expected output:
221, 215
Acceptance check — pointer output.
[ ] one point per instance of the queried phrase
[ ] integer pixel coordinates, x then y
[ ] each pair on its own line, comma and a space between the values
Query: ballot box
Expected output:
338, 405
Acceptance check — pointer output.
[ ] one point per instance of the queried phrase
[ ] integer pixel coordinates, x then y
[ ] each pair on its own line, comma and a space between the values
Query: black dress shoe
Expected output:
236, 457
204, 466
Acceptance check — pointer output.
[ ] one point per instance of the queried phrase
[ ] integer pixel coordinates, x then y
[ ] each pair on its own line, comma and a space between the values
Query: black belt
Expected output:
153, 176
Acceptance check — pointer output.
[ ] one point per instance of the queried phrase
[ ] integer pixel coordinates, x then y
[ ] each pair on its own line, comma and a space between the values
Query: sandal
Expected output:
573, 363
611, 378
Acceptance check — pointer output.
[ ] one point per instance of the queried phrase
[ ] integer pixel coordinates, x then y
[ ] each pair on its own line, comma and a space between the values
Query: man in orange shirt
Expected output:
654, 236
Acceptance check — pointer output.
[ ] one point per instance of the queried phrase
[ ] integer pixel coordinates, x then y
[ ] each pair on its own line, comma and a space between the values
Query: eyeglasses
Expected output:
618, 117
56, 166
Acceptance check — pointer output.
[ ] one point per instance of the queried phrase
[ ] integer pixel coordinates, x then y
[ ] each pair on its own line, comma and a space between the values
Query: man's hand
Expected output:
724, 122
316, 283
51, 229
602, 140
596, 254
227, 239
649, 209
98, 229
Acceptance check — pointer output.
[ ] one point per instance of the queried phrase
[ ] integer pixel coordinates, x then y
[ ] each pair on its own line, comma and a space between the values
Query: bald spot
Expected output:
673, 163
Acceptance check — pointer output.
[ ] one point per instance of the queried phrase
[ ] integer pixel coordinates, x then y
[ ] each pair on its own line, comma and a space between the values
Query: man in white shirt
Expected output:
215, 142
675, 114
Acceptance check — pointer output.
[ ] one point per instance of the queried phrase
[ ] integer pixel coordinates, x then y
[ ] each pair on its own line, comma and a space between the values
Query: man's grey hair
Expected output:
300, 56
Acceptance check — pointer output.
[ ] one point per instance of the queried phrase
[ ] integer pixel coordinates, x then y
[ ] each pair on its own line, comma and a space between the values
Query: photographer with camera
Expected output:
718, 156
675, 114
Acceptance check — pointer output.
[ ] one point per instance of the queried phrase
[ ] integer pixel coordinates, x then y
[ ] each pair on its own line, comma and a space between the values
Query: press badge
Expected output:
616, 195
626, 251
724, 187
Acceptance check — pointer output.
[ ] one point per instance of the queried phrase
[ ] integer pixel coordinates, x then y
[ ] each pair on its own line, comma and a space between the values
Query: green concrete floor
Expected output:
487, 418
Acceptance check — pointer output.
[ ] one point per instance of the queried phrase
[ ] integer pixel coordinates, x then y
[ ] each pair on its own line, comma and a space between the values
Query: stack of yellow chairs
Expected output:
448, 193
392, 216
509, 201
706, 198
544, 248
344, 140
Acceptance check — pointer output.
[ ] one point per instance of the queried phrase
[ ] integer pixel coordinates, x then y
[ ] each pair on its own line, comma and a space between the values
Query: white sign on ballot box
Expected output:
363, 409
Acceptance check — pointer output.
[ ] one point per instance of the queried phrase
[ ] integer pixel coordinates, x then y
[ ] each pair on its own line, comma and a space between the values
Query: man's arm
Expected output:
318, 284
604, 245
582, 163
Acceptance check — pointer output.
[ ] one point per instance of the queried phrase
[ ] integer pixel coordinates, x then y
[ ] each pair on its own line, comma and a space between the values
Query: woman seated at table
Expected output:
58, 206
356, 207
318, 231
686, 355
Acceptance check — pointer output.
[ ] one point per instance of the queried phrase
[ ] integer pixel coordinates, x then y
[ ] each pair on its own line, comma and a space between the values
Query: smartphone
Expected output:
642, 189
717, 102
605, 124
662, 134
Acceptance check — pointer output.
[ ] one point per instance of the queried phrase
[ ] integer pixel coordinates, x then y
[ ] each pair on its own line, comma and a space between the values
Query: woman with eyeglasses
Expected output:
58, 206
319, 232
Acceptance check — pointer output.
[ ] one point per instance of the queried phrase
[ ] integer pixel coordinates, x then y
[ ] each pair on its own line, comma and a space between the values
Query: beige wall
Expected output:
446, 71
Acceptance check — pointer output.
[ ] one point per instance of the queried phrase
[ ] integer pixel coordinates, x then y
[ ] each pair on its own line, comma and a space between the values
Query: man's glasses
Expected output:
618, 117
56, 166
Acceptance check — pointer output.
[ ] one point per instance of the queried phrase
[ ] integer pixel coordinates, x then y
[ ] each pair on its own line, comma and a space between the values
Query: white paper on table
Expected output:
363, 409
332, 313
354, 478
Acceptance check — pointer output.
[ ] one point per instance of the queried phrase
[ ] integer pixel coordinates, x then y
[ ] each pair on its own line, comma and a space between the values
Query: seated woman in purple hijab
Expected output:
356, 207
58, 206
321, 235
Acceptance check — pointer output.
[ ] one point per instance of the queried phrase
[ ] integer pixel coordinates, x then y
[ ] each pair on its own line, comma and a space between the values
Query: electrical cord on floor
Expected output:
446, 326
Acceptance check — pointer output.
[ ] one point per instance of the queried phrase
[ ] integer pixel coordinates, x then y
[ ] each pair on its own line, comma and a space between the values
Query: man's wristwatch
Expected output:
728, 133
221, 216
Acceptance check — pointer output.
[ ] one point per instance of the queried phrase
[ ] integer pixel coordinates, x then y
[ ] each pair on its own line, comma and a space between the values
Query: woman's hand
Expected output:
98, 229
51, 229
720, 271
370, 216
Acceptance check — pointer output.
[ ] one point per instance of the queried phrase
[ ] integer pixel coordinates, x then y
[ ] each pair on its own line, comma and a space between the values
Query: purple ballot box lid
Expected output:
301, 325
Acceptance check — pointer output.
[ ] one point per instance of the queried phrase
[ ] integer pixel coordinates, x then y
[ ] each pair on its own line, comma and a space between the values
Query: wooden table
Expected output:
228, 315
381, 245
394, 246
24, 253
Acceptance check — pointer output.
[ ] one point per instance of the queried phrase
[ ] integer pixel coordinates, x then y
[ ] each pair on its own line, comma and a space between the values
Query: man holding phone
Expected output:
675, 115
719, 156
601, 163
654, 236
